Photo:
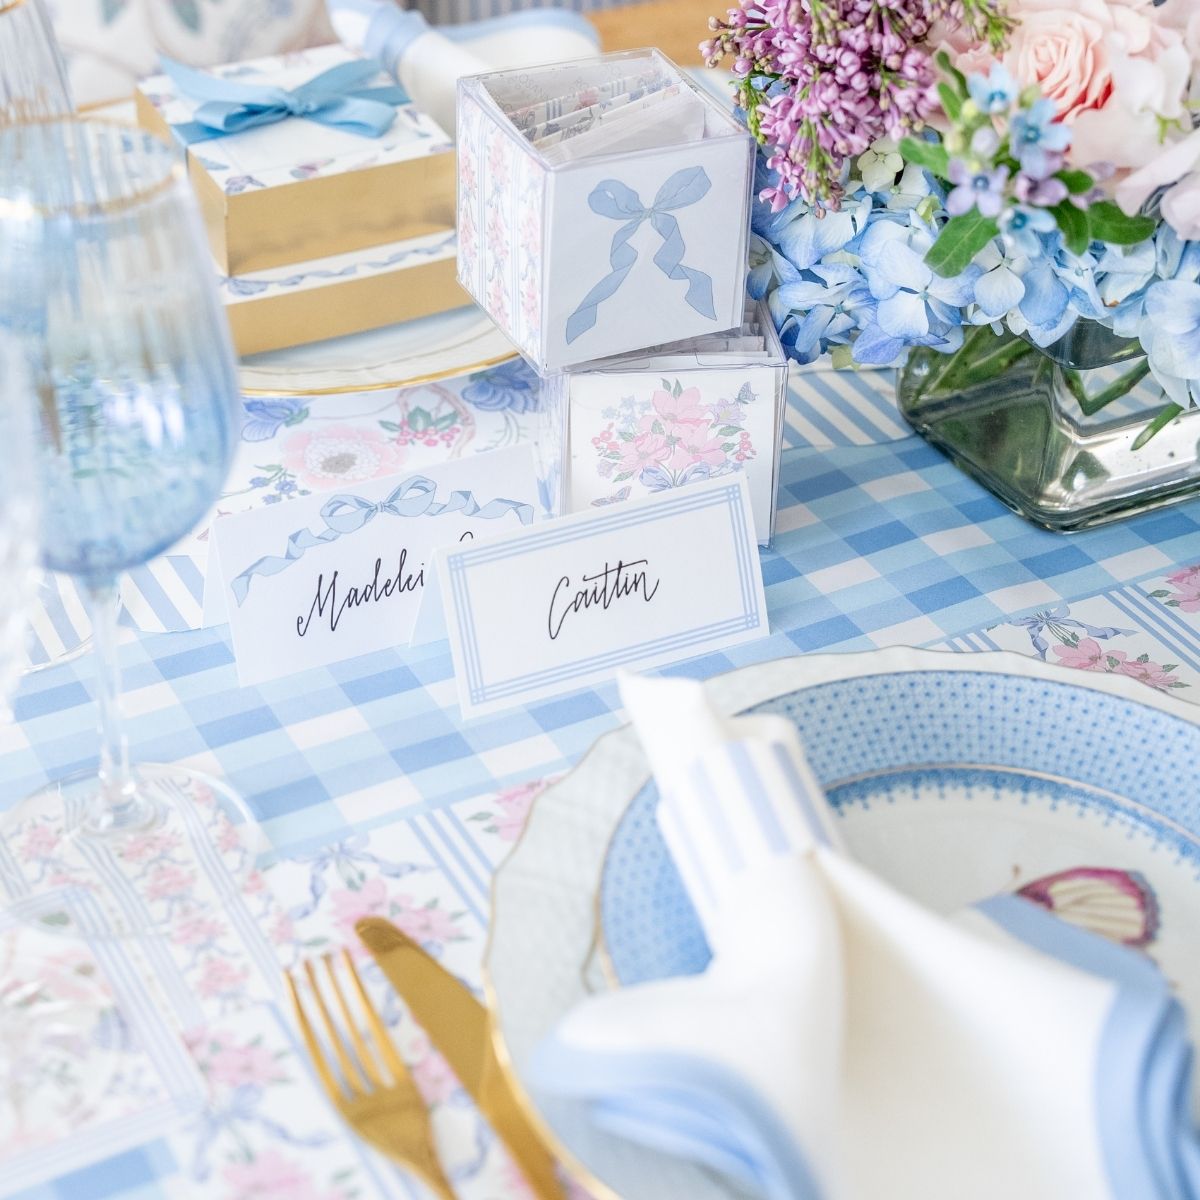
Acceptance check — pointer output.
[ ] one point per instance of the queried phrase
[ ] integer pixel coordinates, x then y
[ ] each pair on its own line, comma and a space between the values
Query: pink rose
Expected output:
1112, 68
340, 454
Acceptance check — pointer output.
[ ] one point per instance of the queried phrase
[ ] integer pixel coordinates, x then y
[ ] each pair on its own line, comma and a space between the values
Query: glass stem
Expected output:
117, 807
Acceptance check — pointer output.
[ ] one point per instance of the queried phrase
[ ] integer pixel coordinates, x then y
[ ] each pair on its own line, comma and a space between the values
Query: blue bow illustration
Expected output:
336, 97
613, 199
343, 514
1060, 617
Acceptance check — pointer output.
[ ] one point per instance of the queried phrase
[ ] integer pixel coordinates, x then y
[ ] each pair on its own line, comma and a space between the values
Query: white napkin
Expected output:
845, 1043
428, 62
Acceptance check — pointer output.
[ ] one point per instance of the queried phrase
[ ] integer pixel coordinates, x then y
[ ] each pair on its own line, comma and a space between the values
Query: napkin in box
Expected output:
297, 189
847, 1044
344, 294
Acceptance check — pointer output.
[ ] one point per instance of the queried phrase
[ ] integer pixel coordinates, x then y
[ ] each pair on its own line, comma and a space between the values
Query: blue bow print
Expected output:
336, 97
613, 199
343, 514
1060, 617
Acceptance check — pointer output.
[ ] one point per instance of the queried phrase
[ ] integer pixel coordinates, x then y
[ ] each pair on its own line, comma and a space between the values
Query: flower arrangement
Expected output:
936, 165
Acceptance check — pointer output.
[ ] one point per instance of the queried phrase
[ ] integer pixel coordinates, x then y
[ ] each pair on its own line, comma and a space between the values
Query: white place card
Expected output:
533, 613
337, 574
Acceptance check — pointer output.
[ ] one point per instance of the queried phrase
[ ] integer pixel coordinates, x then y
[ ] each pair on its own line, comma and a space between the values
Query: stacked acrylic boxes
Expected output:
602, 206
640, 423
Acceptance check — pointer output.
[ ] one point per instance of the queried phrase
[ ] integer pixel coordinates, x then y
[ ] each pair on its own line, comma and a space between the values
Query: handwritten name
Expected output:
332, 604
623, 581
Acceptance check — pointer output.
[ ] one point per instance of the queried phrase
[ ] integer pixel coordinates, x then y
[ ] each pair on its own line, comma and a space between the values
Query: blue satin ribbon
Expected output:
613, 199
343, 514
336, 97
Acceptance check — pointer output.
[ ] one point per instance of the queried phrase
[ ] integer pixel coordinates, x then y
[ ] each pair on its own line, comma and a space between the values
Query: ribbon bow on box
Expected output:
344, 514
336, 97
619, 202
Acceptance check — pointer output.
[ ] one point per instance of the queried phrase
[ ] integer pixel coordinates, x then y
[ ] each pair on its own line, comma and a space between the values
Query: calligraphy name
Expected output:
329, 602
623, 581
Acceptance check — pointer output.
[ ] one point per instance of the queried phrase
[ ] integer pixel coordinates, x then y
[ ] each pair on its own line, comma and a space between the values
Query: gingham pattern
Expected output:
879, 544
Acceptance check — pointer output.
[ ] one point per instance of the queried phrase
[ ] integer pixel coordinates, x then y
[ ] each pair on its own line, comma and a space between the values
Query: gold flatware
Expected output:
372, 1089
460, 1029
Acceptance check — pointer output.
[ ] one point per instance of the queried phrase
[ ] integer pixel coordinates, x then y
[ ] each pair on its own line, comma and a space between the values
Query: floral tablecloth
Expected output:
173, 1068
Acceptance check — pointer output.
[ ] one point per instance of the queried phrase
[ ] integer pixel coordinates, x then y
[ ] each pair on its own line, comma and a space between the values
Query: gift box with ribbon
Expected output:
302, 157
603, 206
668, 416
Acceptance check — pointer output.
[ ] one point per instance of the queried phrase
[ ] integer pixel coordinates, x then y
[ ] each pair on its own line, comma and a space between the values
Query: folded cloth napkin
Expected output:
428, 62
847, 1044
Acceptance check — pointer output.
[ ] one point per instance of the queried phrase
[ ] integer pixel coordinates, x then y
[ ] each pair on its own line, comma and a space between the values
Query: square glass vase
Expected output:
1069, 436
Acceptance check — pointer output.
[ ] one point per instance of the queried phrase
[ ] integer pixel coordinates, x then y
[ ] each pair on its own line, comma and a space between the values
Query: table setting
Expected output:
587, 621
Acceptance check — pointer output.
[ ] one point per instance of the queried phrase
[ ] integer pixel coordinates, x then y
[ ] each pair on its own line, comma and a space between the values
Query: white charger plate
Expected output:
958, 776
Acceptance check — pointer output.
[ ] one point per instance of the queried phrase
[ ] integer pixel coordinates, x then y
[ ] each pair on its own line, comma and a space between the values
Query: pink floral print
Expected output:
1088, 655
273, 1176
1184, 592
340, 454
673, 436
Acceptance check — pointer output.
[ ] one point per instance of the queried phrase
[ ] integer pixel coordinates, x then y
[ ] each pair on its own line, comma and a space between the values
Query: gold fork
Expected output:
384, 1107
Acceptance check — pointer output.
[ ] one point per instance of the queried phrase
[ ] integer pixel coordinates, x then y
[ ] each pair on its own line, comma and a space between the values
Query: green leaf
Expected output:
446, 422
951, 101
929, 155
1074, 225
1109, 224
1077, 182
419, 420
677, 390
960, 80
390, 426
960, 240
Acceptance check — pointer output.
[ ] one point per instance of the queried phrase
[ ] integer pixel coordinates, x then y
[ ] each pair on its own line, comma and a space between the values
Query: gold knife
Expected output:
460, 1029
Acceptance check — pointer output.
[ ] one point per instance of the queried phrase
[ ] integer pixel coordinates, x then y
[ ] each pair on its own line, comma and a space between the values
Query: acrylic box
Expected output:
640, 423
603, 206
298, 190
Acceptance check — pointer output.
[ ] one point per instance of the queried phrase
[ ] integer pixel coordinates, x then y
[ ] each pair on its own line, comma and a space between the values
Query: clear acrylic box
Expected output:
640, 423
603, 206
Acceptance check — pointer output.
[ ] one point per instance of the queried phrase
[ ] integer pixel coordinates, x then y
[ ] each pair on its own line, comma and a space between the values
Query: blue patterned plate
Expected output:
956, 786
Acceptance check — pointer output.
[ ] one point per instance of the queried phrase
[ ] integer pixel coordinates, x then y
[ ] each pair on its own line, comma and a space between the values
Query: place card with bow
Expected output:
333, 575
602, 206
303, 156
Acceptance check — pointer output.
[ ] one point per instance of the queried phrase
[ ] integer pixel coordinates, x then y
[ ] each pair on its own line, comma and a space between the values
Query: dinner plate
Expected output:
955, 776
443, 346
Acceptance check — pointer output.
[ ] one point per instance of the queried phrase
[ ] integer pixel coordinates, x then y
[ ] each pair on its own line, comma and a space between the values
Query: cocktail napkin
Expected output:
848, 1044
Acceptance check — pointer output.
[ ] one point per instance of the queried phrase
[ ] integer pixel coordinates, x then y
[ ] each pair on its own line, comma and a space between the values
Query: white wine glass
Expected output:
106, 279
33, 79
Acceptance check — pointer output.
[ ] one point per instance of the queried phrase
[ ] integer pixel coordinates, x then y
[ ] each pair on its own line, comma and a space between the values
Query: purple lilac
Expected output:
823, 79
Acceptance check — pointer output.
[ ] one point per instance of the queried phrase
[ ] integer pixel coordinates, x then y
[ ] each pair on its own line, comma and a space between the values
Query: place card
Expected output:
338, 574
534, 613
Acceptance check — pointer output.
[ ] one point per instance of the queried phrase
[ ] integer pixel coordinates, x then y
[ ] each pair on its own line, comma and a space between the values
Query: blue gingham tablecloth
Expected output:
378, 798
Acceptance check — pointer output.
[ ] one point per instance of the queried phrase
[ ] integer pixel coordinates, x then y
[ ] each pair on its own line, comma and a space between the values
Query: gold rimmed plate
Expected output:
450, 344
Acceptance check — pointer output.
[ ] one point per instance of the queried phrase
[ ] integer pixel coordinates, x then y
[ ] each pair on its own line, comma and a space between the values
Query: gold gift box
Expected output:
296, 190
344, 294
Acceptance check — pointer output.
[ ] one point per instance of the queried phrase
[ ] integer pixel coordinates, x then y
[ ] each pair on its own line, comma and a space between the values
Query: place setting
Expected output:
594, 615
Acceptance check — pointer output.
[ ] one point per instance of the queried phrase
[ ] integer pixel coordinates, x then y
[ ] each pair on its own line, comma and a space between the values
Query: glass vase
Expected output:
1069, 435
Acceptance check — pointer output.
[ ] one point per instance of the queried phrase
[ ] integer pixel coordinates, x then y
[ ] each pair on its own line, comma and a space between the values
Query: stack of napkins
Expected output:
847, 1044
